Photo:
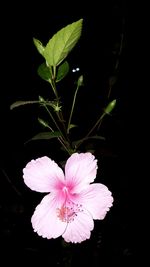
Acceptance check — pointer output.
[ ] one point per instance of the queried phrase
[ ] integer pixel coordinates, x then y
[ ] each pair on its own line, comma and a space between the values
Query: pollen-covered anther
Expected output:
68, 212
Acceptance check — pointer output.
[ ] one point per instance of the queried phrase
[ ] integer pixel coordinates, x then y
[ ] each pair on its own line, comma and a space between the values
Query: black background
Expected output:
113, 240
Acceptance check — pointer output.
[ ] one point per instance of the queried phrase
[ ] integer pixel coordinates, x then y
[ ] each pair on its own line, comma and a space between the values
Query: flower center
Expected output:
68, 211
65, 189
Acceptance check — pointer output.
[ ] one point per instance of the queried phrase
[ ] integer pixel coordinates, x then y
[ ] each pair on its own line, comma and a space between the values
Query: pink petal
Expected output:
45, 219
97, 199
80, 170
80, 228
42, 174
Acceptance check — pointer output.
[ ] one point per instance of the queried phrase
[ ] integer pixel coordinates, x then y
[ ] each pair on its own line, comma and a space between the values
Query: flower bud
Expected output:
42, 122
41, 99
80, 80
110, 106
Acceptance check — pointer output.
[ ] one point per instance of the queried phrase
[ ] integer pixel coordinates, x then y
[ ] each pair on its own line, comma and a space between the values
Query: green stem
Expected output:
59, 113
72, 109
54, 121
59, 139
62, 139
11, 183
54, 89
65, 147
95, 125
92, 129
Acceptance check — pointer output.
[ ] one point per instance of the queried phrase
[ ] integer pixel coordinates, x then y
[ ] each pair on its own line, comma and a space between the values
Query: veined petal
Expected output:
80, 228
43, 175
80, 170
97, 199
45, 220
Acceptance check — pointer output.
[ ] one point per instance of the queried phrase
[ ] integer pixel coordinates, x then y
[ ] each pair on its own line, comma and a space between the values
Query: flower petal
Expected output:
45, 220
42, 174
80, 170
80, 228
97, 199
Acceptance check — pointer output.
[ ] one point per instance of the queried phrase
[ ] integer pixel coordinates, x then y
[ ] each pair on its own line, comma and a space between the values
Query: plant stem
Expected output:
94, 126
72, 109
92, 129
11, 184
54, 89
62, 139
59, 113
54, 121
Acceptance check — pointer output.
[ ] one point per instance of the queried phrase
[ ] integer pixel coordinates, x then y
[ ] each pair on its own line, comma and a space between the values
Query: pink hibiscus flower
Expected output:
73, 202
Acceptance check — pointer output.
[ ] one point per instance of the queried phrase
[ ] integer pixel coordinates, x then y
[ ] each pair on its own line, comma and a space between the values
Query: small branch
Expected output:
61, 139
72, 109
11, 184
93, 128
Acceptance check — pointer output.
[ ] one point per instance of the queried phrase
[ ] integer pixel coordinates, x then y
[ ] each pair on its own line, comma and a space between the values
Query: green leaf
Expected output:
45, 136
60, 45
22, 103
97, 137
44, 72
39, 46
62, 71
